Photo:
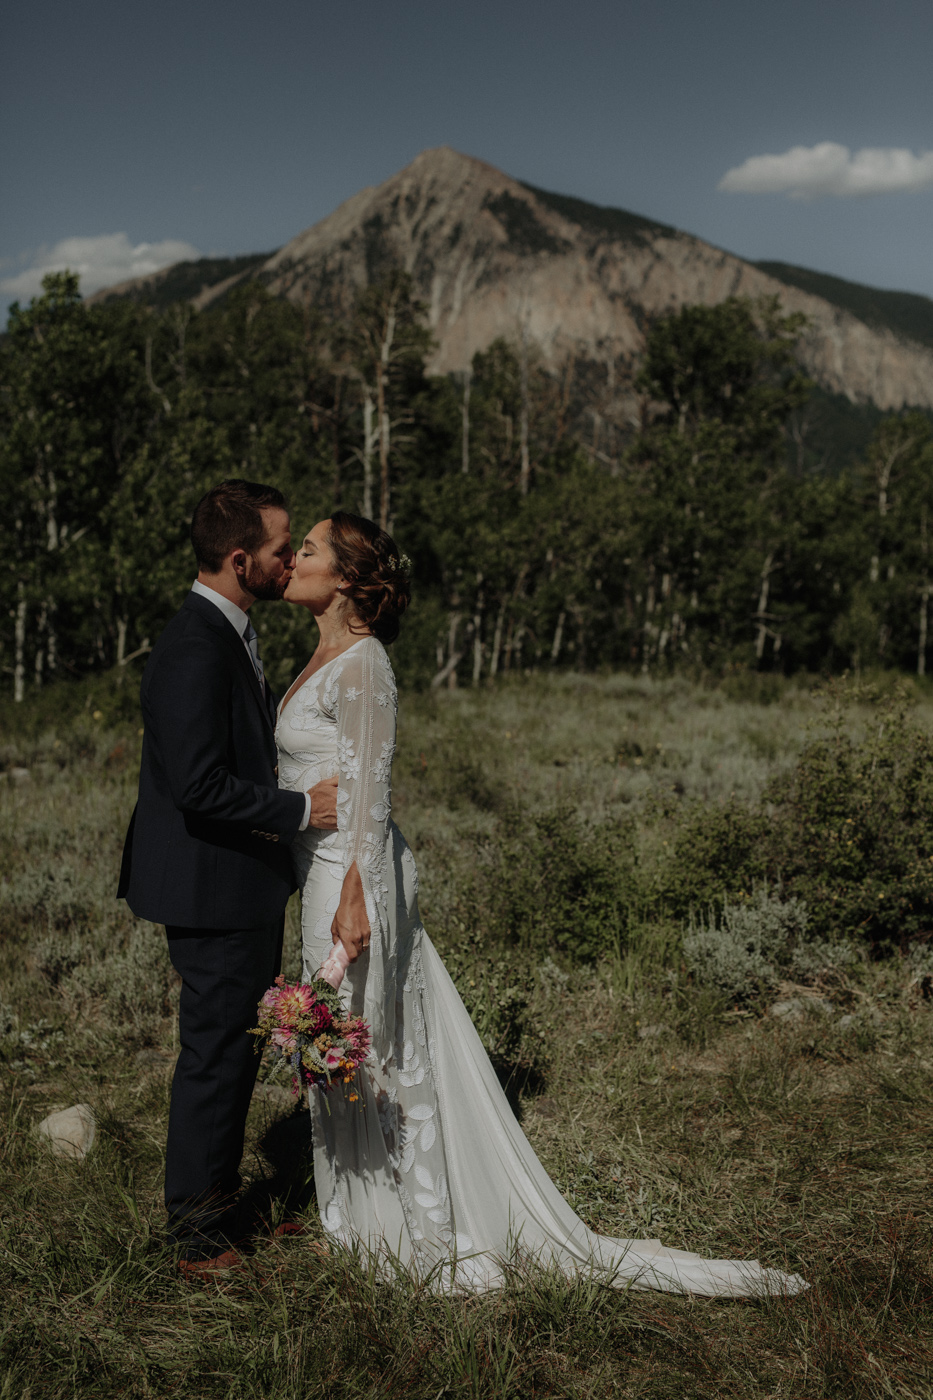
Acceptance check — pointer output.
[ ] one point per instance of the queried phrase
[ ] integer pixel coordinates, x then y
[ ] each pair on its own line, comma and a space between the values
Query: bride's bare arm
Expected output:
351, 925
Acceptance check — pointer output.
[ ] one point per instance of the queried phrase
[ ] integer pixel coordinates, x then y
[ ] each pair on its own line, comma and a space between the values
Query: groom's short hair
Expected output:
230, 517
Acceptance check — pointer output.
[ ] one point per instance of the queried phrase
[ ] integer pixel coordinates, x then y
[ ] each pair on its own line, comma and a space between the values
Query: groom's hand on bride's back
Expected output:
324, 805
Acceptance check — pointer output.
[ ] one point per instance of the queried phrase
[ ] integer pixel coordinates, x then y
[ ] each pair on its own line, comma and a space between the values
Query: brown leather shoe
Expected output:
206, 1268
289, 1227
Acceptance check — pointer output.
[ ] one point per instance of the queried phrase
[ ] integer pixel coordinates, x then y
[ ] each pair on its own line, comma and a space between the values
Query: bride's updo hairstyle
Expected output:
375, 570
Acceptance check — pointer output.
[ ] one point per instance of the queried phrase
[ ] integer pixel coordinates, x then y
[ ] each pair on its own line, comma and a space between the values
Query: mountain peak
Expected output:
493, 257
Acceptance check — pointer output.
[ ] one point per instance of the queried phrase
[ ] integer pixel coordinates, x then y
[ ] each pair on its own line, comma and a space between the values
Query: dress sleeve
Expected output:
366, 705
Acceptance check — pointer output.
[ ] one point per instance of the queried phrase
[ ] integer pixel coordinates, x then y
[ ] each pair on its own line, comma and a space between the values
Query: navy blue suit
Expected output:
207, 854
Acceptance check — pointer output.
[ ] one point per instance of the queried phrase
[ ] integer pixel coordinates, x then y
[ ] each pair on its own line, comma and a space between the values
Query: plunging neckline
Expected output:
299, 688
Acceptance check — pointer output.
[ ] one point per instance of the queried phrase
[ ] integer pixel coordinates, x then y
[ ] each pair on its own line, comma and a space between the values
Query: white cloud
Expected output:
100, 262
806, 172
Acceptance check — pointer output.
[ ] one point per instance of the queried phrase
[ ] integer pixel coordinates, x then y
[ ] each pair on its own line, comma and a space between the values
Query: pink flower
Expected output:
271, 998
294, 1001
333, 1058
358, 1041
284, 1041
323, 1020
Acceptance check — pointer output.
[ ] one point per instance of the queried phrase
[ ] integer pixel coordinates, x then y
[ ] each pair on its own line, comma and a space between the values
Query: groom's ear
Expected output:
238, 561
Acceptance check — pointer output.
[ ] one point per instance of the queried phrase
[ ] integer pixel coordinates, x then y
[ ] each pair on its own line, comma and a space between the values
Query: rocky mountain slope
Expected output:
493, 257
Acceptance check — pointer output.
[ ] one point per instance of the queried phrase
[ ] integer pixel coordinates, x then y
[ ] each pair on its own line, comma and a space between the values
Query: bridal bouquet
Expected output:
307, 1026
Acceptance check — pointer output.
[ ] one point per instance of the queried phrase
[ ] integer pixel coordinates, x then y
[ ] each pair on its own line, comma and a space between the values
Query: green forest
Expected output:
719, 526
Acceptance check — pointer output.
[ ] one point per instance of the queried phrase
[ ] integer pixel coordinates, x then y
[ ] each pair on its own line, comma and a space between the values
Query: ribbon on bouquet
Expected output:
334, 968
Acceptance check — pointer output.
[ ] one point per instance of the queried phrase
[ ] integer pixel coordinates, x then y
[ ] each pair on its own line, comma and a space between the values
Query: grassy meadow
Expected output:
629, 879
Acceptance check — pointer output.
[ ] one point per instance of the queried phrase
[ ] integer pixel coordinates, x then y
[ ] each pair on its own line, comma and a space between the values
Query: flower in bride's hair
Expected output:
400, 564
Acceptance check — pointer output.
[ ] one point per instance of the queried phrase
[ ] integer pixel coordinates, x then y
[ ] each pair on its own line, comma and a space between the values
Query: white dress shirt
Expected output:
239, 620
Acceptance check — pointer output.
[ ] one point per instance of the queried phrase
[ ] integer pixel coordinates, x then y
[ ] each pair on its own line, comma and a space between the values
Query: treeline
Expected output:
549, 524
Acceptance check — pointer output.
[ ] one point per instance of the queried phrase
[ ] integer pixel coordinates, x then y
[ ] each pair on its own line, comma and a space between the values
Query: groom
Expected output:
207, 853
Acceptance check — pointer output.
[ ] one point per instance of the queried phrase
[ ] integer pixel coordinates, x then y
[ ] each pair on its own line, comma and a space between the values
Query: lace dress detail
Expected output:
429, 1166
343, 721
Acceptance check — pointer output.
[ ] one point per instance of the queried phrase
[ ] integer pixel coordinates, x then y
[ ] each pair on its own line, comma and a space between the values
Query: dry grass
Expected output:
802, 1143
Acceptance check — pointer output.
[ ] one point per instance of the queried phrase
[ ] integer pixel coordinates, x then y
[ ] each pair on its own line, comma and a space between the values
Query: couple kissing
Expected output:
242, 799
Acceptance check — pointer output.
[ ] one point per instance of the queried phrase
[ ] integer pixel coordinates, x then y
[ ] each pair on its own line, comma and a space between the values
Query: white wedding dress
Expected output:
429, 1166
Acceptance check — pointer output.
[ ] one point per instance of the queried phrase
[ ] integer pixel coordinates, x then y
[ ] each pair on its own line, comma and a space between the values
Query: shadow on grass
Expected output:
518, 1080
288, 1190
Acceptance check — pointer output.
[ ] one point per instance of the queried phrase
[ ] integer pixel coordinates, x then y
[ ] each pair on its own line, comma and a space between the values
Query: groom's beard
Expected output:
263, 586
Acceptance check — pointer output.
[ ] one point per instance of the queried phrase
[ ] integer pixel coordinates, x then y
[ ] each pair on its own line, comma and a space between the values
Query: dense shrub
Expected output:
719, 849
497, 992
848, 830
737, 951
747, 948
854, 830
560, 883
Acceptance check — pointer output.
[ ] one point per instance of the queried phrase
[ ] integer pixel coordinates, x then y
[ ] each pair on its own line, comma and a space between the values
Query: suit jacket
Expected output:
207, 846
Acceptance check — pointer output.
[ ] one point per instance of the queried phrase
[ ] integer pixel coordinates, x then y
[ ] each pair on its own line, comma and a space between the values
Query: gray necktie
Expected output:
252, 643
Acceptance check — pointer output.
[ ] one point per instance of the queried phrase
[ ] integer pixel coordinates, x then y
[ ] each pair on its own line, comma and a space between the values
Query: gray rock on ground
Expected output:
795, 1008
150, 1058
70, 1132
865, 1015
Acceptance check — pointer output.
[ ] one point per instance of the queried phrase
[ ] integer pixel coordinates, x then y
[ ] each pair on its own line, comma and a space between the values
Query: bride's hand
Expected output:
351, 925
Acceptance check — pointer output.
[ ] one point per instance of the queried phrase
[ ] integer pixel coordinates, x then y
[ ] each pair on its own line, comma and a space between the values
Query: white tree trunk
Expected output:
384, 484
54, 540
478, 632
39, 659
465, 434
523, 421
497, 641
19, 645
558, 637
448, 672
924, 596
453, 656
150, 379
762, 609
509, 640
922, 630
369, 443
385, 355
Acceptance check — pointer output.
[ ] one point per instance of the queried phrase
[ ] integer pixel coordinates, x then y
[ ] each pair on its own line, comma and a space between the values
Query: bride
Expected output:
429, 1165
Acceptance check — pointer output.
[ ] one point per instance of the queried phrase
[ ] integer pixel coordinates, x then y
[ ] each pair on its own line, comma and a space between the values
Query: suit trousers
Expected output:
224, 973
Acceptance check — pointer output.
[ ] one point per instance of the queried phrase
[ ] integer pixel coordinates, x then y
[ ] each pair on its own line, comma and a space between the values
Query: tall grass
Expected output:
663, 1106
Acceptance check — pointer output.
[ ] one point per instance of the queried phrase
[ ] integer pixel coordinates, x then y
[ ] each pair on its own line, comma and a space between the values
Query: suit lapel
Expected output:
272, 704
228, 633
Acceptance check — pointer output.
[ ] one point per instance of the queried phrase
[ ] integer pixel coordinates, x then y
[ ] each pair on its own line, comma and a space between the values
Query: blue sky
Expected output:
228, 128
